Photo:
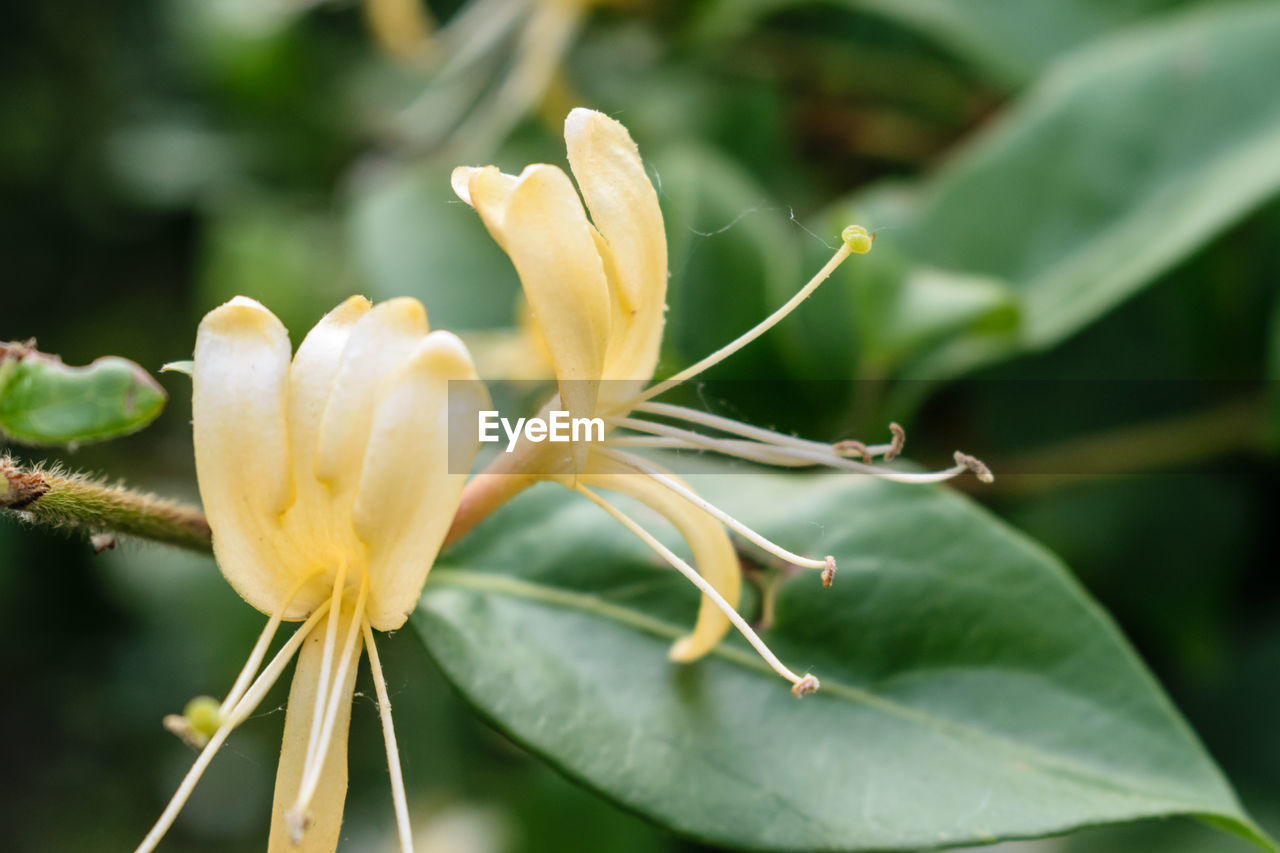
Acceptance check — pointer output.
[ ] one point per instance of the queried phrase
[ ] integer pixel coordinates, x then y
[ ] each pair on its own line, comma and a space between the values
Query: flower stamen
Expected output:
297, 816
636, 463
855, 240
810, 683
767, 436
260, 648
326, 661
389, 737
768, 454
246, 706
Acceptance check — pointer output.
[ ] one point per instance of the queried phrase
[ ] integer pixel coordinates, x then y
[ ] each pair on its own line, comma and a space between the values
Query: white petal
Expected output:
538, 219
624, 207
240, 385
311, 379
421, 446
379, 344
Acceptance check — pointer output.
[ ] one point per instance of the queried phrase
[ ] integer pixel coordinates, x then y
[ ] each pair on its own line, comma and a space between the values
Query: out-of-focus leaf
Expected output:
287, 255
170, 162
1009, 41
1126, 158
971, 689
43, 401
730, 251
411, 236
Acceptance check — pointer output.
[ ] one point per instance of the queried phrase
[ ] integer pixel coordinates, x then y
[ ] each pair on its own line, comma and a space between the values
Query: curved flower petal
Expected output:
311, 379
539, 221
379, 344
624, 207
240, 383
414, 471
330, 797
713, 554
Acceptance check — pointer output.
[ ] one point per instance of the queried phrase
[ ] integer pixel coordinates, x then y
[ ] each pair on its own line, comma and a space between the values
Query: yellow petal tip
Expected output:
241, 316
460, 180
684, 650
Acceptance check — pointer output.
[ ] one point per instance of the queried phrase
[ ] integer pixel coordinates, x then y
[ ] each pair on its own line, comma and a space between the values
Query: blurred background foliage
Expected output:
1071, 195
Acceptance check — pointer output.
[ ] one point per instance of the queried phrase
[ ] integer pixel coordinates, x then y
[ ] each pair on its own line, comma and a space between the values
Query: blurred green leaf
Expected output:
730, 251
1009, 41
43, 401
284, 253
971, 689
1125, 159
411, 236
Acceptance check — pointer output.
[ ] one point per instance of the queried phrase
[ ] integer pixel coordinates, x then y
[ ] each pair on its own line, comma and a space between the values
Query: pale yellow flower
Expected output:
596, 287
328, 486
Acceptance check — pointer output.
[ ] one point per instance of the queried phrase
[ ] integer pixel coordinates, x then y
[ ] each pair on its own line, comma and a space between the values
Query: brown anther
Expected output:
829, 573
102, 542
852, 448
805, 686
899, 441
975, 465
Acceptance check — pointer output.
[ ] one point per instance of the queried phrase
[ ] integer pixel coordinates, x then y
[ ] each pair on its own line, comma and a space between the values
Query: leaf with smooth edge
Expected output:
971, 689
1127, 157
1008, 41
43, 401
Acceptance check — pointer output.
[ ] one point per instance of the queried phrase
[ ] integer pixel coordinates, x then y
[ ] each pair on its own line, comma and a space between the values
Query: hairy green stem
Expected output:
55, 498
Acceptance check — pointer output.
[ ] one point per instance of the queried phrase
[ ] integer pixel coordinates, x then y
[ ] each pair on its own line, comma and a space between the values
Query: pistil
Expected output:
800, 685
298, 816
855, 239
243, 708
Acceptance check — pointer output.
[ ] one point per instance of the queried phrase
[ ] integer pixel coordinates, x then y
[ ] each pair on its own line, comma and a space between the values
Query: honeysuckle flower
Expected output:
596, 287
327, 485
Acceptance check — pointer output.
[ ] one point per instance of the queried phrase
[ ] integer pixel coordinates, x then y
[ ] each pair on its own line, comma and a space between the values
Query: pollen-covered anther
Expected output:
805, 686
899, 441
198, 722
975, 465
857, 239
829, 572
299, 822
852, 448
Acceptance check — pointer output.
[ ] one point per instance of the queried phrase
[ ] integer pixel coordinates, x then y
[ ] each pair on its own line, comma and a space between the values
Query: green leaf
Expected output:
1130, 155
971, 689
411, 236
43, 401
1008, 41
731, 255
285, 253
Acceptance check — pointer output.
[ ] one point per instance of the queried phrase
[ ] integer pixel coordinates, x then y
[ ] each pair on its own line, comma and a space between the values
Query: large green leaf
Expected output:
43, 401
1130, 155
1009, 41
971, 689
